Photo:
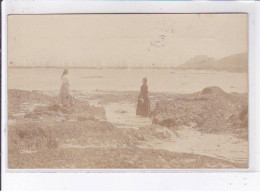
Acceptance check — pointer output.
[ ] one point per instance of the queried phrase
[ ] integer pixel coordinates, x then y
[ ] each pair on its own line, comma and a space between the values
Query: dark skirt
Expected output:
143, 107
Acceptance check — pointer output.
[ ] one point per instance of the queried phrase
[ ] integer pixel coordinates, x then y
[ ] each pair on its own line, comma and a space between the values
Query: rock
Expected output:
240, 119
168, 122
153, 131
85, 118
213, 90
210, 110
54, 107
20, 101
44, 111
16, 96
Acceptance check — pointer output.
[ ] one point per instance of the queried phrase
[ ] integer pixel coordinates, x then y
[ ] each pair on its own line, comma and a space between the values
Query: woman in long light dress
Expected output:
64, 96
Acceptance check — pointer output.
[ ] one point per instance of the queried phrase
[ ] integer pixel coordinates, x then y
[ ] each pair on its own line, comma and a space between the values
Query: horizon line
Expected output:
90, 67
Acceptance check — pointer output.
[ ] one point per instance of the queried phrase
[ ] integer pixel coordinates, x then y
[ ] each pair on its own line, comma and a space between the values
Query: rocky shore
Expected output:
42, 134
212, 110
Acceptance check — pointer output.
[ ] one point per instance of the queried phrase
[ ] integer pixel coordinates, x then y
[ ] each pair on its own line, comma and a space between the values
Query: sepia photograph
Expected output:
127, 91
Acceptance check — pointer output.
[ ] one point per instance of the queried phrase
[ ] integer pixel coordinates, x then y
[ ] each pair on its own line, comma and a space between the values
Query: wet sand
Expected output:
184, 140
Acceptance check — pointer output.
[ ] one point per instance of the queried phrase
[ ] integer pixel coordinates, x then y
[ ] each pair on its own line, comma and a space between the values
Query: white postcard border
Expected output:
129, 178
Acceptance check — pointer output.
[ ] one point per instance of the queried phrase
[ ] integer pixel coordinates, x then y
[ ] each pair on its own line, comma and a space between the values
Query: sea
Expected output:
159, 80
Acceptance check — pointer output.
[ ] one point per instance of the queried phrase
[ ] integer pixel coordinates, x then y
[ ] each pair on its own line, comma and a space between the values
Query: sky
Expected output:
139, 40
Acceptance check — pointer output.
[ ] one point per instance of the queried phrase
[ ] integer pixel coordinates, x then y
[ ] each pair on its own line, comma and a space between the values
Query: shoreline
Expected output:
86, 129
176, 68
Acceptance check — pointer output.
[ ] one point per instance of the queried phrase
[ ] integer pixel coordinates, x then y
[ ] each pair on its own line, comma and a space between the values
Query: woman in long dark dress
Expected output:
143, 102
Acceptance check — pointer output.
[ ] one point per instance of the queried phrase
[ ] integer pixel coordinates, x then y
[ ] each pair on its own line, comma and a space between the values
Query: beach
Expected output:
199, 119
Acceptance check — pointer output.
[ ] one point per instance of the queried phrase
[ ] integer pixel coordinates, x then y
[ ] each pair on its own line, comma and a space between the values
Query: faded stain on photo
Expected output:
128, 91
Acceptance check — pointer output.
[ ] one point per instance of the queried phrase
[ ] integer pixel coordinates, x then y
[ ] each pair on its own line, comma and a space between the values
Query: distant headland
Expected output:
233, 63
